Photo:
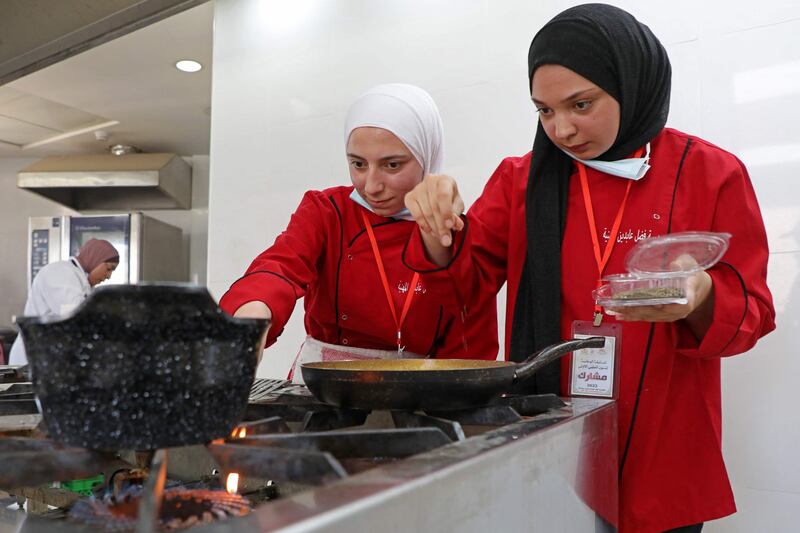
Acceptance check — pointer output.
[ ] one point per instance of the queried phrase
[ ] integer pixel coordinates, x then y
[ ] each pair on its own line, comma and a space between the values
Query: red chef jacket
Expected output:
325, 256
671, 454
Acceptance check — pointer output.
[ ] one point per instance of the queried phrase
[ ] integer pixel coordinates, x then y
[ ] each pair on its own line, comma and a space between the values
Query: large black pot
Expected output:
142, 367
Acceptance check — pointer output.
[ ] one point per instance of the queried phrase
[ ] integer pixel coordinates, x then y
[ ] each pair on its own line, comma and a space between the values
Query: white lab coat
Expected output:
56, 290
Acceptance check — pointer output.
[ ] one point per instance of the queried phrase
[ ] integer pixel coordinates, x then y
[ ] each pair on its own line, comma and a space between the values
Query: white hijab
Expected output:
408, 112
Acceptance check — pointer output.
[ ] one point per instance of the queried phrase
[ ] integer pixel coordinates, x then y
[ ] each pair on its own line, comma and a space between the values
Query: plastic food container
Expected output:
659, 269
627, 290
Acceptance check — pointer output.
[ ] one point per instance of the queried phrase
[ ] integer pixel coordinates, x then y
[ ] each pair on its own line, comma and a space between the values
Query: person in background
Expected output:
59, 287
603, 164
342, 251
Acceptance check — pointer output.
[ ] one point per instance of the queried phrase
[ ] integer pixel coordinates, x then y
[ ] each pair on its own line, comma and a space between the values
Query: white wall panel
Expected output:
720, 17
762, 425
686, 102
750, 88
759, 511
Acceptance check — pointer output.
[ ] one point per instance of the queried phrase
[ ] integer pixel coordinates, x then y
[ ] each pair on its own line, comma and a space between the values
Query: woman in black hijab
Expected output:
633, 69
603, 174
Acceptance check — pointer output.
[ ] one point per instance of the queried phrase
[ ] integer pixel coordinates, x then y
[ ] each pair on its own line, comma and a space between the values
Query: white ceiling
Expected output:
132, 80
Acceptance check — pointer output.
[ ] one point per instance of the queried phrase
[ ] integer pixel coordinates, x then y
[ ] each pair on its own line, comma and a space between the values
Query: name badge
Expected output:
594, 372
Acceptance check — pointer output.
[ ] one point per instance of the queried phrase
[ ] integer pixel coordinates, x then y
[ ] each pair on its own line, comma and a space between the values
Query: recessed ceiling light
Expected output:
188, 65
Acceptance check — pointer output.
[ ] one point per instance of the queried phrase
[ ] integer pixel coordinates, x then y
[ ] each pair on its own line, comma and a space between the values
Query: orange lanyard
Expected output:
601, 257
411, 289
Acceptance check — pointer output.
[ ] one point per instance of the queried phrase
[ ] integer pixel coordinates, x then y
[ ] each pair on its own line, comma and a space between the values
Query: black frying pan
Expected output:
142, 367
426, 383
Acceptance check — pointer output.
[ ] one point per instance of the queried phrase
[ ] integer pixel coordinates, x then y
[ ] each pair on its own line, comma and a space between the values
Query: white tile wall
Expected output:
720, 17
15, 207
686, 103
751, 398
193, 222
198, 223
284, 76
750, 86
760, 511
761, 424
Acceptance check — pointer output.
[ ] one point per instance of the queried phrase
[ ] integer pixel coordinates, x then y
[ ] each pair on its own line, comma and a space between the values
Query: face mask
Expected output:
403, 214
631, 169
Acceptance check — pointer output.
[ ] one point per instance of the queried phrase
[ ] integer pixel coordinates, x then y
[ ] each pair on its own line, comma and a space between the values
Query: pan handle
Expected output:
547, 355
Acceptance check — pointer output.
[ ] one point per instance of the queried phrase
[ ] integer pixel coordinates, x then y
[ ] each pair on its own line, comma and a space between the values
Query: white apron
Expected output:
314, 351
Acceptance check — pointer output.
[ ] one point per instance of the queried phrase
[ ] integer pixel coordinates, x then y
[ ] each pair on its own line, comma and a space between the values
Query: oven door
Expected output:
116, 229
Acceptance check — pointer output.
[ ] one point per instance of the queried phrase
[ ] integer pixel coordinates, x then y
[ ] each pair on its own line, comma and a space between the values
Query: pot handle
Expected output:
547, 355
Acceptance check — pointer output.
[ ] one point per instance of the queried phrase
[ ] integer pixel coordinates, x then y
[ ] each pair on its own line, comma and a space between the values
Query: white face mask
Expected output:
403, 214
632, 169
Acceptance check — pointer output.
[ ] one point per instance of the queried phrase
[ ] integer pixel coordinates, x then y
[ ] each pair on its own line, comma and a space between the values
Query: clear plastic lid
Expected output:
677, 253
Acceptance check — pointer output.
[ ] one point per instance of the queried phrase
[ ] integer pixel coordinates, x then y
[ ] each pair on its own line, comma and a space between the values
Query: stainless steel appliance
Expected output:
150, 250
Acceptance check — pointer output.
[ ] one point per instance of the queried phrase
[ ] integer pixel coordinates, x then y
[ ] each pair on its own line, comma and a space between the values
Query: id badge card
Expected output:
594, 372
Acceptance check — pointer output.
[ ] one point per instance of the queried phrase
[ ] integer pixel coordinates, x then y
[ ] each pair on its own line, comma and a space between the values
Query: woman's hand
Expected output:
698, 311
436, 206
256, 309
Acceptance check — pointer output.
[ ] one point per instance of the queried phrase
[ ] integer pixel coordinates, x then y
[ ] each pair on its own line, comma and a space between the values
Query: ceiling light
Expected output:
188, 65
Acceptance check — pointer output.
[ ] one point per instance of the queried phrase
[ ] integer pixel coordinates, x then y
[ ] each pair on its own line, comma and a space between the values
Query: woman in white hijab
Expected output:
343, 248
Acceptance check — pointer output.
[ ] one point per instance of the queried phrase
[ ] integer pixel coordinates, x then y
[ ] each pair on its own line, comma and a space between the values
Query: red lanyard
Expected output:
411, 289
601, 257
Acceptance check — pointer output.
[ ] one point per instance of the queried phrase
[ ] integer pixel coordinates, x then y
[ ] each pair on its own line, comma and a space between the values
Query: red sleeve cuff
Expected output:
730, 308
272, 289
415, 257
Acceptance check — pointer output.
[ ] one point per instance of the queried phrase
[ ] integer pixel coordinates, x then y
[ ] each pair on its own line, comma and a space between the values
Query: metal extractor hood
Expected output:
109, 182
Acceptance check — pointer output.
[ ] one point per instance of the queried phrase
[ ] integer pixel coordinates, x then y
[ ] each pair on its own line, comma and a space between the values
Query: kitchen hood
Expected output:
109, 182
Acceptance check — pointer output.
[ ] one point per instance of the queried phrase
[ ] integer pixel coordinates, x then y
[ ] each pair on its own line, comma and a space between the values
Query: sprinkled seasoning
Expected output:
652, 292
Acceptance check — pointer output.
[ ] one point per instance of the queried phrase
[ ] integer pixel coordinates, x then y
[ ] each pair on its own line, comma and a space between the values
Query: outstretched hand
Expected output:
436, 205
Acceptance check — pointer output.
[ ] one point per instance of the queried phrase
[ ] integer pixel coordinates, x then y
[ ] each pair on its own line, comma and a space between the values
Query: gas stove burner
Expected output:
180, 509
271, 389
14, 374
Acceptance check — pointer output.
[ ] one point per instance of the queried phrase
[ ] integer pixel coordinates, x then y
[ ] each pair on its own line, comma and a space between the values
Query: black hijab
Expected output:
613, 50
